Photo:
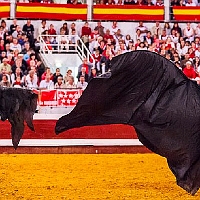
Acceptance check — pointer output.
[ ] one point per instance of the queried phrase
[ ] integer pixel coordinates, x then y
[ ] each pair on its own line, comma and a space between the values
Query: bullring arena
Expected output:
88, 163
122, 169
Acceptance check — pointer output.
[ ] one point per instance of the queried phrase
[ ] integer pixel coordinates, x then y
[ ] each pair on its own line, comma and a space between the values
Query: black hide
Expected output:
17, 105
150, 93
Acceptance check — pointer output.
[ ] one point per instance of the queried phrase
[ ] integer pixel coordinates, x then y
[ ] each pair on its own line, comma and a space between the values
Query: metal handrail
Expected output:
55, 45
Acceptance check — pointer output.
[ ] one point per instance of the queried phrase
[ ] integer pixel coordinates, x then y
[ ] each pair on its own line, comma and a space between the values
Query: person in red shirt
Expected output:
108, 36
189, 71
85, 32
51, 30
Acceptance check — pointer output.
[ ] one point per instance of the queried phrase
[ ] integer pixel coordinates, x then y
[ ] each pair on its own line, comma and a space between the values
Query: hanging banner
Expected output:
59, 97
186, 13
128, 12
4, 10
51, 11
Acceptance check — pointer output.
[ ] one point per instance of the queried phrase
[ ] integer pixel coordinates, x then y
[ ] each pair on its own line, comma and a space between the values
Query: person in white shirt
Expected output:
31, 80
191, 3
15, 45
82, 84
47, 83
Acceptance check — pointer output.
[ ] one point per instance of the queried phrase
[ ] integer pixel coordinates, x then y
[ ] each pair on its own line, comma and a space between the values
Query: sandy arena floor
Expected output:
83, 176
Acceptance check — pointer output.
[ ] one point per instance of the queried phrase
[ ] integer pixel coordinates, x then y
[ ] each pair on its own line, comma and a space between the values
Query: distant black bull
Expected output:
17, 105
149, 92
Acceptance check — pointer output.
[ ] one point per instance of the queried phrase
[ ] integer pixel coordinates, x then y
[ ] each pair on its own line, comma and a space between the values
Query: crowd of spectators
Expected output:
20, 66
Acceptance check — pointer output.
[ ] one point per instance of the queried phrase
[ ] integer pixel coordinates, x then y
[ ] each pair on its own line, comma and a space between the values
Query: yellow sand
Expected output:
83, 176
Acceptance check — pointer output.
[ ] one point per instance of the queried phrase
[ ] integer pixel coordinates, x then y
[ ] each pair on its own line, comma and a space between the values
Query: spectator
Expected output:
174, 37
18, 83
15, 45
64, 41
92, 39
100, 28
7, 49
2, 45
175, 3
47, 72
189, 71
184, 61
118, 36
59, 84
177, 28
105, 61
143, 29
93, 74
83, 73
26, 48
114, 28
5, 81
86, 65
65, 28
17, 31
10, 59
5, 67
3, 24
13, 26
129, 2
51, 30
2, 33
73, 40
159, 3
31, 79
19, 64
108, 36
72, 28
56, 75
17, 73
42, 27
3, 55
68, 74
70, 83
197, 52
188, 33
28, 29
139, 36
140, 2
167, 28
127, 40
157, 29
182, 49
85, 32
47, 83
197, 30
148, 38
82, 84
97, 57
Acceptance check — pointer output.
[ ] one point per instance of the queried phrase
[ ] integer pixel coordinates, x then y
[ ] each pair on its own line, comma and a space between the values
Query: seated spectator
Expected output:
7, 49
26, 48
177, 28
17, 31
70, 83
18, 64
188, 33
191, 53
105, 61
197, 65
86, 65
56, 75
141, 46
157, 29
97, 57
118, 36
2, 45
110, 2
148, 38
83, 73
10, 59
197, 30
63, 40
31, 79
59, 84
17, 73
93, 74
174, 37
5, 81
82, 84
108, 36
47, 83
2, 33
47, 72
72, 28
100, 28
169, 45
73, 40
167, 27
65, 28
68, 74
175, 3
143, 29
131, 46
189, 71
121, 47
197, 52
18, 83
5, 66
15, 45
51, 30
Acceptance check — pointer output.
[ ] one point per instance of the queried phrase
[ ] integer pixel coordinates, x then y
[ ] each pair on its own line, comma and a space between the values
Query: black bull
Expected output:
149, 92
